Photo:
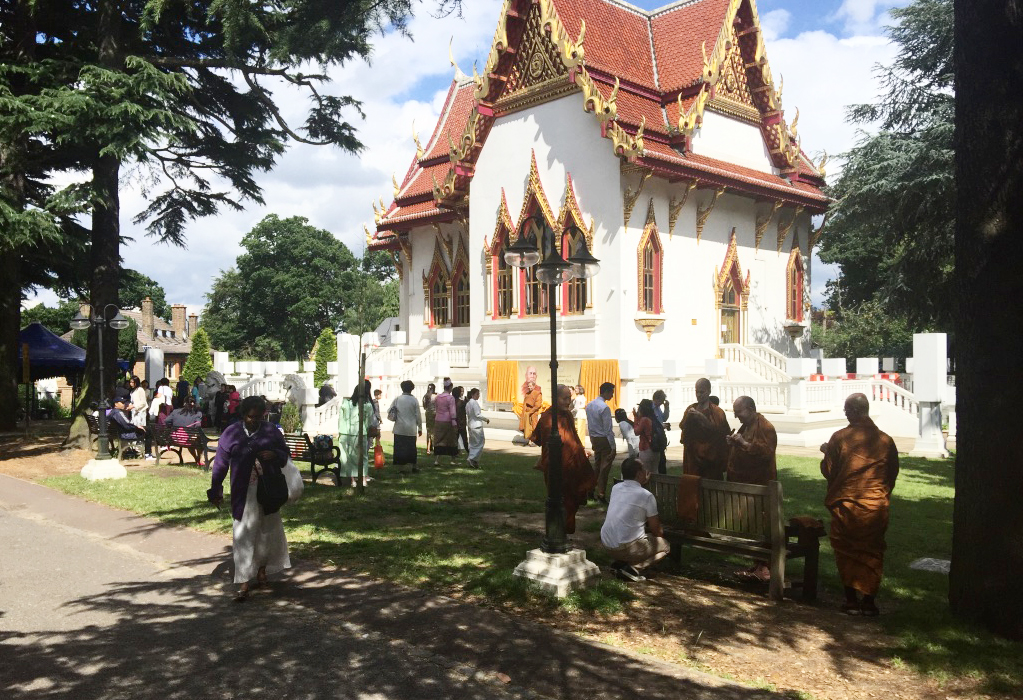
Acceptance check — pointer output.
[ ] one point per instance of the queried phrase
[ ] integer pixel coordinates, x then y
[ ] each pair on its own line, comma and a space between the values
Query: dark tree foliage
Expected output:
987, 524
185, 89
891, 227
56, 319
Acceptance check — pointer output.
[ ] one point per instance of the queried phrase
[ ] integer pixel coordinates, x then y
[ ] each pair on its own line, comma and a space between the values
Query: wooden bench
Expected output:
172, 439
742, 519
113, 432
302, 449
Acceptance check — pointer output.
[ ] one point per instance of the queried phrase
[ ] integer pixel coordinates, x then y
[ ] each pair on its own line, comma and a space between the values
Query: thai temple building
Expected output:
661, 137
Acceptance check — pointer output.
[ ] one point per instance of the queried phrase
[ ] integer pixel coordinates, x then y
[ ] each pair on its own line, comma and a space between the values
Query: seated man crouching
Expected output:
630, 508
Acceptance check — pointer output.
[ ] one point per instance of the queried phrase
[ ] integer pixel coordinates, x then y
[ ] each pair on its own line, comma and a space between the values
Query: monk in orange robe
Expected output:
751, 460
577, 475
860, 464
751, 449
704, 428
532, 400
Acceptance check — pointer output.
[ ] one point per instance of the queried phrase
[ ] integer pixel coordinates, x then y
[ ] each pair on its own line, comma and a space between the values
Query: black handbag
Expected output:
271, 488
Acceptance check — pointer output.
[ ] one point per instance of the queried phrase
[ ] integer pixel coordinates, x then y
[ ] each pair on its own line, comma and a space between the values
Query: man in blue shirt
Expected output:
600, 426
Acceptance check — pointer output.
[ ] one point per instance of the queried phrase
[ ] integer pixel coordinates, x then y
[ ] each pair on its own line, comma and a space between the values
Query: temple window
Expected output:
535, 294
504, 286
794, 287
650, 275
575, 296
440, 302
461, 289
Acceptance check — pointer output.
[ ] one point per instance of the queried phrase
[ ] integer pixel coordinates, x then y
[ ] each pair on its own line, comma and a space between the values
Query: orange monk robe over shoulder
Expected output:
531, 403
577, 475
755, 463
705, 451
860, 465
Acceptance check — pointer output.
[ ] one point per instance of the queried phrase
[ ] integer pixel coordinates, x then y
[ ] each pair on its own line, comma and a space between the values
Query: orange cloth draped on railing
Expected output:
593, 373
502, 378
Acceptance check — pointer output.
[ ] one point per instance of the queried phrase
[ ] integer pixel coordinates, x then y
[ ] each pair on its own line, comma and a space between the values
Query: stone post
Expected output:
930, 365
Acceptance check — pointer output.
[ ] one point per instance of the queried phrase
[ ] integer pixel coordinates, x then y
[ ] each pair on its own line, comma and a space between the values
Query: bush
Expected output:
54, 408
291, 419
326, 351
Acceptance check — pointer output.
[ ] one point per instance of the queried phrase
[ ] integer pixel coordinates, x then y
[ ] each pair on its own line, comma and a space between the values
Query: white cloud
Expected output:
407, 80
865, 16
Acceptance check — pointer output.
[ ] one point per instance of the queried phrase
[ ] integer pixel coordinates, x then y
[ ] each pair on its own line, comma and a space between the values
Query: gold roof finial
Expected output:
820, 166
397, 188
377, 214
459, 75
369, 236
415, 139
792, 126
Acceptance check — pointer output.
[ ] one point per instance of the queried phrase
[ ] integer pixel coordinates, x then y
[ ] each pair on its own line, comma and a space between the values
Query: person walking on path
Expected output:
532, 402
631, 510
408, 425
860, 465
579, 410
260, 547
348, 437
600, 426
445, 429
463, 434
430, 414
475, 419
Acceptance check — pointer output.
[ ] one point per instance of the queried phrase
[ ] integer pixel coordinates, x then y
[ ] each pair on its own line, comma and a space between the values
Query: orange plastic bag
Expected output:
378, 456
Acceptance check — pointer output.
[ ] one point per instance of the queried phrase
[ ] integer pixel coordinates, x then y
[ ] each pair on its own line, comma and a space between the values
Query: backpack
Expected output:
323, 444
659, 440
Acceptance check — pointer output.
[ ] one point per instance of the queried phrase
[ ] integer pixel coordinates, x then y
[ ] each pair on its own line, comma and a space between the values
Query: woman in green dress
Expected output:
348, 434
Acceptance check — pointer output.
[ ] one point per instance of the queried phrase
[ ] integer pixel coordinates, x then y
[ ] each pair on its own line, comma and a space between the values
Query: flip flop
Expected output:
241, 596
869, 610
850, 608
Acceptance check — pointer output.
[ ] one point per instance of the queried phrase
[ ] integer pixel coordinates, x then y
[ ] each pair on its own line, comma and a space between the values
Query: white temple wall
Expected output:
422, 239
566, 140
734, 141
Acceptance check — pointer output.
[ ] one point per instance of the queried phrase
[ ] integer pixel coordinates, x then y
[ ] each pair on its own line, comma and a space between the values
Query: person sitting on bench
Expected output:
630, 508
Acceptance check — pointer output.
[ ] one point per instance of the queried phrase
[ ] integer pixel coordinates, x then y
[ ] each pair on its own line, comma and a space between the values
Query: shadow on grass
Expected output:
426, 530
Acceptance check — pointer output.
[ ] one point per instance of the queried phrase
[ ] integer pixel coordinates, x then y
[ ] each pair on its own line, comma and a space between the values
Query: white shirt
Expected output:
408, 422
598, 419
627, 513
166, 393
579, 404
474, 415
630, 437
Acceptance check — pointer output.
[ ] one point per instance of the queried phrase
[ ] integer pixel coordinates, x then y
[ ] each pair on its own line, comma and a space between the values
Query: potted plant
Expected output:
291, 420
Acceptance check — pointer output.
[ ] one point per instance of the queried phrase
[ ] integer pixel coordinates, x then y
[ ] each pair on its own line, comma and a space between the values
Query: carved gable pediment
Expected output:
539, 72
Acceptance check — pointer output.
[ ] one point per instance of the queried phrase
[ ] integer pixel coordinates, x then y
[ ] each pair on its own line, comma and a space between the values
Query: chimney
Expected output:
178, 320
148, 322
193, 324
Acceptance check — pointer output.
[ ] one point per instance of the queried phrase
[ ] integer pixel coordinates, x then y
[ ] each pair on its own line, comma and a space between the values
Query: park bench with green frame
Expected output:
744, 520
301, 448
173, 439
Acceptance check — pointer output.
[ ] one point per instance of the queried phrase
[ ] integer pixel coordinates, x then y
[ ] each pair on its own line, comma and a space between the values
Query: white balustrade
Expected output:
759, 359
768, 396
325, 417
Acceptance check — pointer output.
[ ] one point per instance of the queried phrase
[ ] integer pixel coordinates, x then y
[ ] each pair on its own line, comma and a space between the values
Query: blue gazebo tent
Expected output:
49, 355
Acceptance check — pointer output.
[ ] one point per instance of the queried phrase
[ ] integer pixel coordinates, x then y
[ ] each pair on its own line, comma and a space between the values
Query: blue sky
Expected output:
825, 49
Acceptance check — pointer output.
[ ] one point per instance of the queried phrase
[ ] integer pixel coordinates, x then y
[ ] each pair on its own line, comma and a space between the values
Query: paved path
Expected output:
99, 603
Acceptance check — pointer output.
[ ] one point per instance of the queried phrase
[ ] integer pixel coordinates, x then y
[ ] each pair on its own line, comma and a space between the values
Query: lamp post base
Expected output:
558, 573
96, 469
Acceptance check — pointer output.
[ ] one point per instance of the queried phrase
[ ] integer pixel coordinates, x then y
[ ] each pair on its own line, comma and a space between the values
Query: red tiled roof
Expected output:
617, 38
678, 35
453, 115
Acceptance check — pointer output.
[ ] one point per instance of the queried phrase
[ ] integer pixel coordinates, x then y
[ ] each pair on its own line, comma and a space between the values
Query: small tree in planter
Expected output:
291, 419
199, 362
326, 351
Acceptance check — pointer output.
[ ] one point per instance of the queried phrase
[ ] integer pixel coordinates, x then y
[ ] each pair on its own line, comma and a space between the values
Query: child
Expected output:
628, 434
579, 411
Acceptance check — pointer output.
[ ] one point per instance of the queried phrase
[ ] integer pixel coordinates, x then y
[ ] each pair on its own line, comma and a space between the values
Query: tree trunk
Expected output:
987, 540
104, 252
13, 156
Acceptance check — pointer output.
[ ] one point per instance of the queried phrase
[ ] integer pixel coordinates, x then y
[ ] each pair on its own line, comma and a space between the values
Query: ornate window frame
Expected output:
439, 272
651, 265
576, 294
533, 299
795, 284
497, 269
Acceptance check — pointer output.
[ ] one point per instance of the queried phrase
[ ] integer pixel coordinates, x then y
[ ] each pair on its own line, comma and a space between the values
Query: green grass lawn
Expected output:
448, 528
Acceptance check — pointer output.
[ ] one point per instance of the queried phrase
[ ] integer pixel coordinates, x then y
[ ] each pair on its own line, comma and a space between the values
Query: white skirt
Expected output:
258, 541
476, 440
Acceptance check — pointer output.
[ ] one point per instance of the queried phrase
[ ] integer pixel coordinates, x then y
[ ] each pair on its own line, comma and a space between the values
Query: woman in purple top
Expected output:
445, 430
259, 542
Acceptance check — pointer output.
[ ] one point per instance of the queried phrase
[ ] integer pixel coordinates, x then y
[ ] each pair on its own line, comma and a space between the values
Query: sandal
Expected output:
869, 609
242, 595
261, 579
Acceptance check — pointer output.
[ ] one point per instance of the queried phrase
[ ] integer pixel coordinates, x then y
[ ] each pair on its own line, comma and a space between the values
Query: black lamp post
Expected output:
81, 322
553, 271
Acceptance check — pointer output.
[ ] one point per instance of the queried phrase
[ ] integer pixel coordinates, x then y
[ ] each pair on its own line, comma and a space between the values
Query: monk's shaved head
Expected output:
703, 383
858, 405
745, 402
